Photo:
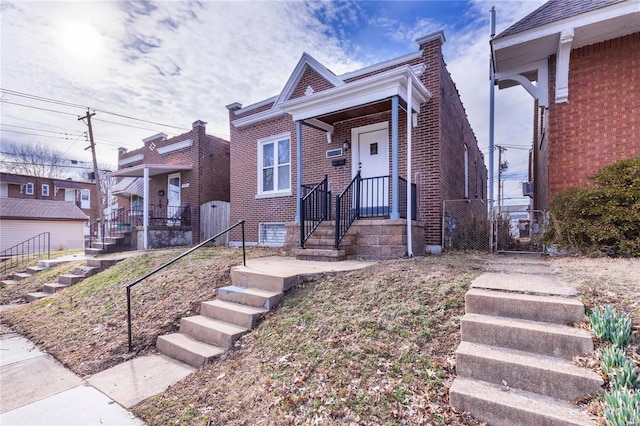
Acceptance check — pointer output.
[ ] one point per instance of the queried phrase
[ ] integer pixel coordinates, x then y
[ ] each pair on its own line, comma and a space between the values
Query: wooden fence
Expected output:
214, 218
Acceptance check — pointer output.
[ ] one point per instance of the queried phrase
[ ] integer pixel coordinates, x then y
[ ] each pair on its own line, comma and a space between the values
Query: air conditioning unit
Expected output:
527, 189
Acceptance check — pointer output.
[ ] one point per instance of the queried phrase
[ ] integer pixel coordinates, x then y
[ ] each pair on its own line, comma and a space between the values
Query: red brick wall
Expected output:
18, 191
601, 122
208, 180
310, 78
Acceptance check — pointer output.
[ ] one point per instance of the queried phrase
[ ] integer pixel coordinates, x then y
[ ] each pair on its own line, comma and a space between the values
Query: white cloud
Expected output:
177, 62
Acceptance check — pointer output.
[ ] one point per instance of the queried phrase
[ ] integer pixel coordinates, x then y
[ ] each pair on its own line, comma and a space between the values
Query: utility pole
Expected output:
501, 167
95, 161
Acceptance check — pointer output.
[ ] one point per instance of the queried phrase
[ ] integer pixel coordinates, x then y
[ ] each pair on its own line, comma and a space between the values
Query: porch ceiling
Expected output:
154, 169
359, 111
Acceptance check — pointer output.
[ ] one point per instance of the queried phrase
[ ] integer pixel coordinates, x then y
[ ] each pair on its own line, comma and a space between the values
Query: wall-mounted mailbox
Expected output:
339, 162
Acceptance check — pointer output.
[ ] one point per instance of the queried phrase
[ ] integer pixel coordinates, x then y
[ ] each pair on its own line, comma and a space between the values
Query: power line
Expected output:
34, 121
125, 125
40, 108
39, 130
36, 134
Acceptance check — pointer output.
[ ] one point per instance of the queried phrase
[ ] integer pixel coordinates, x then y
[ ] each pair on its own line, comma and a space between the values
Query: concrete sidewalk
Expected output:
37, 390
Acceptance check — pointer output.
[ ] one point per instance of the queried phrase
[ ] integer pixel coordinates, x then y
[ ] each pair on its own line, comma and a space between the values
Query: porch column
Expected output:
299, 168
395, 213
145, 208
409, 129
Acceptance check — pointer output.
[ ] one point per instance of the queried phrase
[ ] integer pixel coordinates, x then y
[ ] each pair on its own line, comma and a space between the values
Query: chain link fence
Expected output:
521, 231
465, 225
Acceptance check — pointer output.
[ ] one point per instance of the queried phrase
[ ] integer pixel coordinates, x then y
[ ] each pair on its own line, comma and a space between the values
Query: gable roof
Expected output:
306, 61
553, 11
19, 208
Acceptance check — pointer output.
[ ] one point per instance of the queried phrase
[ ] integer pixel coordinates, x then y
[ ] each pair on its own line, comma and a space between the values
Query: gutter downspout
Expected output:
145, 209
409, 131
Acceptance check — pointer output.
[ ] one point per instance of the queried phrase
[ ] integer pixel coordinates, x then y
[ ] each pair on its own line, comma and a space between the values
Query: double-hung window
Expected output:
274, 165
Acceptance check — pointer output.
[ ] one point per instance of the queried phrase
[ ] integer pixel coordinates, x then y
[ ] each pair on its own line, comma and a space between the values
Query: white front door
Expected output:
371, 157
173, 199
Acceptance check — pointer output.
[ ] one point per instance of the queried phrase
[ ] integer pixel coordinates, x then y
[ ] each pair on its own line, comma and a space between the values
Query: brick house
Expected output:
83, 194
584, 59
32, 205
164, 184
361, 135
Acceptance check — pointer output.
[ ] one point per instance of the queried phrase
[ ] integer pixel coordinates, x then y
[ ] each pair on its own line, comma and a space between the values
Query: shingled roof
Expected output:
555, 10
18, 208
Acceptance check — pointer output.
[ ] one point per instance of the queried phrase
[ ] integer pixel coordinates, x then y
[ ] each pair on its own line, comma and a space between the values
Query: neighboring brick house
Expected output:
83, 194
585, 59
323, 124
183, 172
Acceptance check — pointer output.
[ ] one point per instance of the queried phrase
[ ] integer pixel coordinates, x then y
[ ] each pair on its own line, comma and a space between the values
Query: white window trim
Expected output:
29, 188
88, 200
261, 142
45, 193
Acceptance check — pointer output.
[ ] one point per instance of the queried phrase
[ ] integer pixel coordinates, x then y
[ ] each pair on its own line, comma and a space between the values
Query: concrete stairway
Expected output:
40, 266
111, 245
92, 267
514, 362
320, 245
222, 321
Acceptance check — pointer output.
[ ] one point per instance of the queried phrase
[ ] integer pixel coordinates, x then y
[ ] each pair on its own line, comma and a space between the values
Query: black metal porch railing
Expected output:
118, 221
166, 215
315, 207
402, 199
374, 196
171, 262
368, 198
347, 209
26, 251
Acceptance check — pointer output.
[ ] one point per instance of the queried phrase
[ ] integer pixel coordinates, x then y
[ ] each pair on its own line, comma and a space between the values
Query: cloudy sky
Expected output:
147, 67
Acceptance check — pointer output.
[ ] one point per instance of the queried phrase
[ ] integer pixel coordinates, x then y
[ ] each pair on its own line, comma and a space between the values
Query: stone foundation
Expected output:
163, 236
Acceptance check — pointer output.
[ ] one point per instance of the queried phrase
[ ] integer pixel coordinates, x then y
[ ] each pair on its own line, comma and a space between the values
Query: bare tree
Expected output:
34, 160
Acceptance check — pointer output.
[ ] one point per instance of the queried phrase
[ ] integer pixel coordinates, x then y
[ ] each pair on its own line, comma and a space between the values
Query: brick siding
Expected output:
208, 180
601, 122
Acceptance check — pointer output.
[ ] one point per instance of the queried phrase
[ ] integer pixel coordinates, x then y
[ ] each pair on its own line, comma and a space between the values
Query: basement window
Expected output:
272, 234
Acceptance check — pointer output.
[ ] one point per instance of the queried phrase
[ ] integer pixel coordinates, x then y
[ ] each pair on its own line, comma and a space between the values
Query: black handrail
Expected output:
25, 251
110, 225
347, 209
315, 207
171, 262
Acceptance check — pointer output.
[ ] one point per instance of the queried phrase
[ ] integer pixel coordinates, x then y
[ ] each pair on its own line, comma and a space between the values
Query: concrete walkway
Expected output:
37, 390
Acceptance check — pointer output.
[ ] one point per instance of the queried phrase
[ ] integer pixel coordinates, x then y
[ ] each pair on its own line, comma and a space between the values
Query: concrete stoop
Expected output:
110, 245
514, 364
92, 267
320, 245
221, 322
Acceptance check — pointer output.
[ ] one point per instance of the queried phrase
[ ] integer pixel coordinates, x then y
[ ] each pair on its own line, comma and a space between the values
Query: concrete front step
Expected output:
214, 332
21, 276
250, 296
35, 269
5, 283
52, 288
550, 376
93, 251
501, 407
560, 310
246, 277
70, 279
102, 263
234, 313
31, 297
326, 255
187, 349
524, 283
531, 336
